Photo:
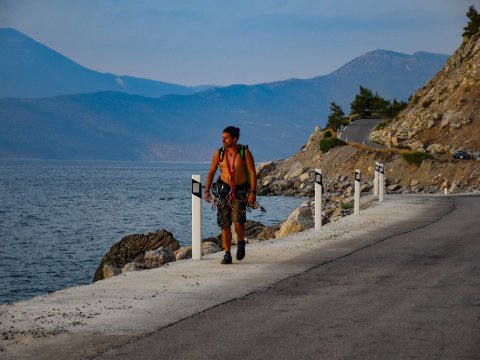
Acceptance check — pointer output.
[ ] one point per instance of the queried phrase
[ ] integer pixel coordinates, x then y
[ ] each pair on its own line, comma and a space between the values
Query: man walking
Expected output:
235, 188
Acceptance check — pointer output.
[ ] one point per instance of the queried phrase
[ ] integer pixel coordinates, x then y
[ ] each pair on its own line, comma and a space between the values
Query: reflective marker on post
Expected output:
375, 181
356, 204
381, 182
196, 217
318, 199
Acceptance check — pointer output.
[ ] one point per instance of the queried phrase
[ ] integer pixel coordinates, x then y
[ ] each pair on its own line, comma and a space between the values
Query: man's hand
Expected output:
207, 196
252, 198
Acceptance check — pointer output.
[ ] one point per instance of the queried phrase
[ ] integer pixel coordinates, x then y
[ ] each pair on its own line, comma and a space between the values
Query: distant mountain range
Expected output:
275, 118
29, 69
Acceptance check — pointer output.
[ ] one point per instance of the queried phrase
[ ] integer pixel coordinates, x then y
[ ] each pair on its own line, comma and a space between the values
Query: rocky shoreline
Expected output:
152, 250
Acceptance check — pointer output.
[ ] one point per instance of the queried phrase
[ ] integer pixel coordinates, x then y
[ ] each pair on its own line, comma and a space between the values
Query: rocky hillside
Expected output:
444, 115
294, 176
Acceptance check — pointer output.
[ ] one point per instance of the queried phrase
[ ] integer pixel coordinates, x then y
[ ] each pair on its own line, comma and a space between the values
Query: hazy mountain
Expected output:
29, 69
275, 118
392, 74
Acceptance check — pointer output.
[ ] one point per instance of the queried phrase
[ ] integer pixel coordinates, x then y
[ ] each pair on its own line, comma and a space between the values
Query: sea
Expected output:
58, 218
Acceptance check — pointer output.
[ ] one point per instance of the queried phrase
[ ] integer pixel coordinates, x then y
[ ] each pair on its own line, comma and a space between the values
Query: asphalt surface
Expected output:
412, 291
359, 132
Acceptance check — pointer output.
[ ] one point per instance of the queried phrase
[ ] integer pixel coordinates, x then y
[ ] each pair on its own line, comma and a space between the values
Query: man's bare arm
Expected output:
210, 175
253, 176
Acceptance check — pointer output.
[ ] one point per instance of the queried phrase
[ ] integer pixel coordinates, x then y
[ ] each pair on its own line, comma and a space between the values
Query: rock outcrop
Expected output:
338, 166
135, 250
444, 115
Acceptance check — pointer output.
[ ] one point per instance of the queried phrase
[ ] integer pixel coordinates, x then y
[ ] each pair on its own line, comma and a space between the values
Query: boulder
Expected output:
110, 270
299, 220
183, 253
252, 229
394, 187
305, 176
208, 247
365, 188
130, 247
264, 169
268, 232
158, 257
133, 266
436, 148
296, 169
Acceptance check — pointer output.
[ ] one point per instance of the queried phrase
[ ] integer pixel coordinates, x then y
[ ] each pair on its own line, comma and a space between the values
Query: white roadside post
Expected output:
318, 199
356, 204
196, 217
375, 181
381, 180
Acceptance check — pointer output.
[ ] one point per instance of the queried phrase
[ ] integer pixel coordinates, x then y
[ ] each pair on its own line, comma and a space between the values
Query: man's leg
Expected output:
239, 216
224, 220
240, 230
227, 238
227, 244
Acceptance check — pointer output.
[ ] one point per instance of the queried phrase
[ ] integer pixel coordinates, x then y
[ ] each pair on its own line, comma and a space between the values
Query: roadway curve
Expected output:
359, 132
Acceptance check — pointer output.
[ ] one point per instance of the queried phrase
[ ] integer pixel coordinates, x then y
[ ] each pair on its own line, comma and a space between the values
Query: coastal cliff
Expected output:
444, 115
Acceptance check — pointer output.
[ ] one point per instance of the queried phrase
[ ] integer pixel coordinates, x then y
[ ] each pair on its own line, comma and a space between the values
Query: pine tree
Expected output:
367, 103
336, 117
363, 102
473, 25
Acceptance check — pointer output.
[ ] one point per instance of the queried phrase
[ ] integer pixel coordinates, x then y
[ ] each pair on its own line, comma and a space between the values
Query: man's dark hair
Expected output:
233, 131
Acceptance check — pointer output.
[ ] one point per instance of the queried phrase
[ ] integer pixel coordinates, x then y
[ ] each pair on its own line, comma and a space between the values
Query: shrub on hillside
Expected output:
328, 134
416, 158
327, 144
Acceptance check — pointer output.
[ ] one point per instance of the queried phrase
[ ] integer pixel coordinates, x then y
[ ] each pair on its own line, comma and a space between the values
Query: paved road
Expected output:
411, 295
359, 132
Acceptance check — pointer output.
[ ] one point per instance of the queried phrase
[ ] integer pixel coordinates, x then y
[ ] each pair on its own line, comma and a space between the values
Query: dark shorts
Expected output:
232, 210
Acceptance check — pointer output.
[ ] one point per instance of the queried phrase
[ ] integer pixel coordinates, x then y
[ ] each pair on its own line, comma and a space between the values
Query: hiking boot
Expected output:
240, 250
227, 258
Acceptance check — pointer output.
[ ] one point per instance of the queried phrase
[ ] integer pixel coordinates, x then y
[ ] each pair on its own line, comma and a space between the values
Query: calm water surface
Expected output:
57, 219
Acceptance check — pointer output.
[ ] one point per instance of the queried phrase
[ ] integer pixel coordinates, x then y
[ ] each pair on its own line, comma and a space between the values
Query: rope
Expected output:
229, 196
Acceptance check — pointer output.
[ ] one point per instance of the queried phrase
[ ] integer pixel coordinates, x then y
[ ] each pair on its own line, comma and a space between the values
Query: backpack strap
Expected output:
241, 150
221, 152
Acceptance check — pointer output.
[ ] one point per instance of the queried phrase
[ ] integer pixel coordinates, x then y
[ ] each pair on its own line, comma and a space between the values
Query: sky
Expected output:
223, 42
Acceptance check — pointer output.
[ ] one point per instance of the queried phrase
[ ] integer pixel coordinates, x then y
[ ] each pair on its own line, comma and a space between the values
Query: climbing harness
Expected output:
221, 190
